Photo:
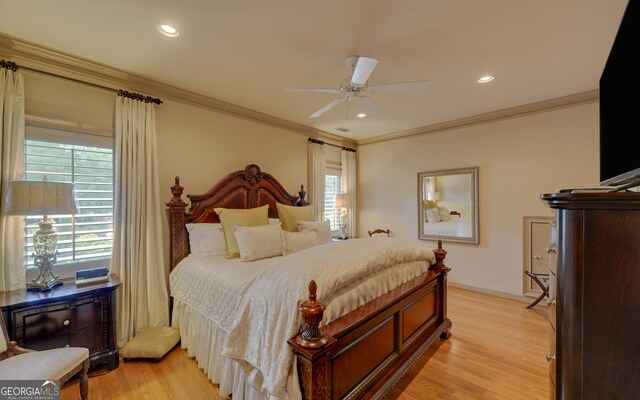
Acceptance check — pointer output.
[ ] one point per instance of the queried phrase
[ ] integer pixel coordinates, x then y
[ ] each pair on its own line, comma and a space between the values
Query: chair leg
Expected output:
537, 300
84, 380
543, 286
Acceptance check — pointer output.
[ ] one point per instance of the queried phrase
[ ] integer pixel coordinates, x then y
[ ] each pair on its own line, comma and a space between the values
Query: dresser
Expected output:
594, 296
67, 316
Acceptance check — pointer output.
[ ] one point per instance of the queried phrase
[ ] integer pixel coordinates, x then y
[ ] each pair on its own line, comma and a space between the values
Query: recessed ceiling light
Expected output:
361, 115
485, 79
168, 30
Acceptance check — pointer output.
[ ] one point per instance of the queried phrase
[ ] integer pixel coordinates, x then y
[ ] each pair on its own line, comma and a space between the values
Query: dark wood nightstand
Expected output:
68, 315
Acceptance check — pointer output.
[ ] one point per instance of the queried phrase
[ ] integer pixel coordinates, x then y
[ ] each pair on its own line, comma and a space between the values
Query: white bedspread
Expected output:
456, 227
256, 303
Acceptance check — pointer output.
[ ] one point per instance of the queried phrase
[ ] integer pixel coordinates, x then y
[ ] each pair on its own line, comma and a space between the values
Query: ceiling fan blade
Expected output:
417, 86
364, 68
327, 107
369, 106
312, 90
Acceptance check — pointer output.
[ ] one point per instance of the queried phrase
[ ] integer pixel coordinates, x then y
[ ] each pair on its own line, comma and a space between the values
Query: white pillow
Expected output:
322, 227
445, 215
206, 239
258, 242
296, 241
433, 215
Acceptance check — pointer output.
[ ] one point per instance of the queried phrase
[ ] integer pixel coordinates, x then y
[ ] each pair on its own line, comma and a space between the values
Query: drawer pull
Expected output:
551, 250
66, 322
551, 303
550, 357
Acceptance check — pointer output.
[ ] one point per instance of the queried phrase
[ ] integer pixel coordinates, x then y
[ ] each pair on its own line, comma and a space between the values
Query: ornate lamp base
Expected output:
43, 286
45, 280
343, 232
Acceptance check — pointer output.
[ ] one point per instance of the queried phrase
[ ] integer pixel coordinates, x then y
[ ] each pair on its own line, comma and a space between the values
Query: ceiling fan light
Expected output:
485, 79
168, 30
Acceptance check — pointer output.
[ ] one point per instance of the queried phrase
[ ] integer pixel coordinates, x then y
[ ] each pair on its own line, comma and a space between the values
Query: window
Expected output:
84, 240
331, 188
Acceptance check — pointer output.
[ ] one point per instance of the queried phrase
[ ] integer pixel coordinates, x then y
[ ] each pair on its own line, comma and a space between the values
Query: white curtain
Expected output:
138, 256
316, 179
348, 183
12, 274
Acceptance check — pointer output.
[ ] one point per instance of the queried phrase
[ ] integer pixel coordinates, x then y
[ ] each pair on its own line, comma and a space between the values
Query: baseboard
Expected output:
497, 293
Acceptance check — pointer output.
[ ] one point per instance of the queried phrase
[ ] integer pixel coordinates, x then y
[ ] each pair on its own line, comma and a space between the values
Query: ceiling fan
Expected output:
356, 88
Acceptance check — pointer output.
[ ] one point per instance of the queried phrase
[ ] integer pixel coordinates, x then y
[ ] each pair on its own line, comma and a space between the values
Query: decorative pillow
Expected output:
433, 215
258, 242
206, 239
322, 227
430, 204
240, 217
290, 215
296, 241
274, 221
444, 214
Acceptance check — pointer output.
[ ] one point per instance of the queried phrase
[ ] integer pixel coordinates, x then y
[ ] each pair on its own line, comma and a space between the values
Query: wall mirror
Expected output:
448, 205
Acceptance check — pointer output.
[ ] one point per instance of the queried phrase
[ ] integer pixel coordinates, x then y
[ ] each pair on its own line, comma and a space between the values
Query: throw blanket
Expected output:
261, 311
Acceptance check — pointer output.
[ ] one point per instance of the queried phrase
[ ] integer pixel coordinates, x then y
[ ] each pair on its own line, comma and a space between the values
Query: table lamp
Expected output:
42, 198
343, 201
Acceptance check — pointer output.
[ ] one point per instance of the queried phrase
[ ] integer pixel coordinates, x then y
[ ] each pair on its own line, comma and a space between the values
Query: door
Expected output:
537, 237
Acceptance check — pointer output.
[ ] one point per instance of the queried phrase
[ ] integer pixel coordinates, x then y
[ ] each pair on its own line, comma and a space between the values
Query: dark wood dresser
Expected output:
594, 296
68, 315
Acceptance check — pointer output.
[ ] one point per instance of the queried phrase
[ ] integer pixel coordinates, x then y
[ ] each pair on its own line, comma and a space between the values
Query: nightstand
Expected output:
66, 316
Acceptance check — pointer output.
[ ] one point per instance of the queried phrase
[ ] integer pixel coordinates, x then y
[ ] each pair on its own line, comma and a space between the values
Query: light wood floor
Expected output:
496, 351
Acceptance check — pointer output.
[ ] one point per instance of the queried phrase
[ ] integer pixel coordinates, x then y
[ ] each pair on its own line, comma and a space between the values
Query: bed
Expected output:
357, 345
455, 227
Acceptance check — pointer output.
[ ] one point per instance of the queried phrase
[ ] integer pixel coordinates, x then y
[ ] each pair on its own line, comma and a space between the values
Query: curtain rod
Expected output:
136, 96
316, 141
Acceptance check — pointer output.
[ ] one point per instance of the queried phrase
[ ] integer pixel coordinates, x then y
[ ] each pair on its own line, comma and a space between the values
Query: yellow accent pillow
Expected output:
240, 217
430, 204
290, 215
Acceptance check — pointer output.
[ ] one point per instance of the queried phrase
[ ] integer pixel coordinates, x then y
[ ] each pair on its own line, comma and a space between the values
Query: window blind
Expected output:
331, 188
88, 235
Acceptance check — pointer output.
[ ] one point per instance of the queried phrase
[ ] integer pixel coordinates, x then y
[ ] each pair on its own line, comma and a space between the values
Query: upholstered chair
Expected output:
56, 364
380, 232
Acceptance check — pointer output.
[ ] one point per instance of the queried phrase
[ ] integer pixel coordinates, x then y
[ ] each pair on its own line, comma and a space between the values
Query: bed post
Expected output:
440, 256
179, 248
442, 304
311, 347
301, 194
312, 311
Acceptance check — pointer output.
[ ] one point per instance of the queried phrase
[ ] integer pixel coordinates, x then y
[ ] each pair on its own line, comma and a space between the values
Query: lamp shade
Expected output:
41, 197
343, 200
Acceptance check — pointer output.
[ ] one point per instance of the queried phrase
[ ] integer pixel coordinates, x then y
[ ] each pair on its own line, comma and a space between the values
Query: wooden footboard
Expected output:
362, 354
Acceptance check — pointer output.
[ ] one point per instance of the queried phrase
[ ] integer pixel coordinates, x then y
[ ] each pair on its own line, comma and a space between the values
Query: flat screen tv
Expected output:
620, 105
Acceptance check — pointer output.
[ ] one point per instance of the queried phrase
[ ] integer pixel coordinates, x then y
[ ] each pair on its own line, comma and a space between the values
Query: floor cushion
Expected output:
151, 343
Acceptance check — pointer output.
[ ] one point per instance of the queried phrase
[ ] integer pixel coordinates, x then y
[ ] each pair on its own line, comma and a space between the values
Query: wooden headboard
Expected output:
247, 188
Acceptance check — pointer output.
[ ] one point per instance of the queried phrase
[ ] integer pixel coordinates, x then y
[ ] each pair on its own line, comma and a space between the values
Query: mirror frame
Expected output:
473, 239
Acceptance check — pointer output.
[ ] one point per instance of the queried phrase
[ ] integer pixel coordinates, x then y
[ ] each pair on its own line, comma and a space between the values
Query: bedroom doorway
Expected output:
537, 236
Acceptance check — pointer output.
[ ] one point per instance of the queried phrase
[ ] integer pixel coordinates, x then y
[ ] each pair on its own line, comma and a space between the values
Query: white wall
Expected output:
518, 159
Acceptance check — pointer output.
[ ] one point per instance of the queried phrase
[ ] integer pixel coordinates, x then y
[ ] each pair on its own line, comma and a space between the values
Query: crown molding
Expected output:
541, 106
54, 62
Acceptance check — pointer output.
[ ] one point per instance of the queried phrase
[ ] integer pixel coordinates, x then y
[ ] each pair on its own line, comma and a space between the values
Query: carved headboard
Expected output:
247, 188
